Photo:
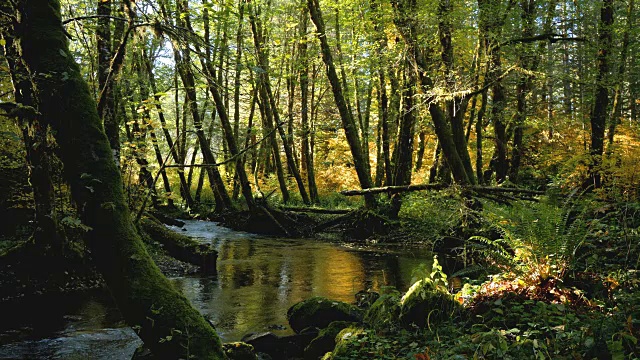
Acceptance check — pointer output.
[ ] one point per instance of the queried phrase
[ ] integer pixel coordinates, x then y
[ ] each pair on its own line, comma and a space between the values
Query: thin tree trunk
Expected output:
350, 129
257, 29
183, 62
304, 106
185, 191
601, 103
407, 26
405, 141
522, 89
617, 97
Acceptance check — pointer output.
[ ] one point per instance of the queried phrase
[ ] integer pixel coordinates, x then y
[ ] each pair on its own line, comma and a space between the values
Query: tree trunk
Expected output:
304, 108
405, 141
144, 296
361, 164
617, 97
522, 89
185, 190
257, 30
407, 26
599, 113
103, 43
37, 148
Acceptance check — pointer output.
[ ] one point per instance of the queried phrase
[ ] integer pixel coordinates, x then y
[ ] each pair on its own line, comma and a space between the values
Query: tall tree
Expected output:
144, 296
404, 18
348, 124
601, 101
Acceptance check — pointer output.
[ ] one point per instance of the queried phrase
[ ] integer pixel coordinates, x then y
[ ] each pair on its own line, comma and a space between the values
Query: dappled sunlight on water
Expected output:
259, 278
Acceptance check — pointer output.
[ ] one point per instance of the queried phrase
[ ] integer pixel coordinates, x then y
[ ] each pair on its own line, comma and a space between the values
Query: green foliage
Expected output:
431, 215
539, 233
384, 313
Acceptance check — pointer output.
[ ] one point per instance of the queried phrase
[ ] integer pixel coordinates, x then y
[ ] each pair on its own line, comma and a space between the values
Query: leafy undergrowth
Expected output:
561, 282
505, 321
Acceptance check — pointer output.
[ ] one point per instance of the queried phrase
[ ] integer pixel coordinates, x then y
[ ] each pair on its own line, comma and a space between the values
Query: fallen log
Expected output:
315, 210
393, 189
181, 247
423, 187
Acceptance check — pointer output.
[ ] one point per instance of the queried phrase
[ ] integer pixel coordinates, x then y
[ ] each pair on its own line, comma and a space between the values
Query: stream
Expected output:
258, 278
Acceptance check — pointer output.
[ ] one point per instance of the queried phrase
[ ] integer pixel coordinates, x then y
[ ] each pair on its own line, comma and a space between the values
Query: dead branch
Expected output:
423, 187
315, 210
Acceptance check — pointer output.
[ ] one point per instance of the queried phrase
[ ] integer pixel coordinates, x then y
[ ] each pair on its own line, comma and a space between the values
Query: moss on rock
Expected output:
239, 351
384, 312
320, 312
343, 341
326, 340
427, 304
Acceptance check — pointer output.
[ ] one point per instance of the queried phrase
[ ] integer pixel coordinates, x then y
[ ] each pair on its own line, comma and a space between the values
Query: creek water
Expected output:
258, 278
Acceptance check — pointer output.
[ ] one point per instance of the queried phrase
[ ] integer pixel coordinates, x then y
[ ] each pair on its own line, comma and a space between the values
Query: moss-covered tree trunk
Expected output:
167, 322
36, 143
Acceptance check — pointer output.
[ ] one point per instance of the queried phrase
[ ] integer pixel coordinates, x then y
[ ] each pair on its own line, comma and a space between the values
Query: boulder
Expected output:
285, 347
320, 312
239, 351
426, 304
343, 342
325, 341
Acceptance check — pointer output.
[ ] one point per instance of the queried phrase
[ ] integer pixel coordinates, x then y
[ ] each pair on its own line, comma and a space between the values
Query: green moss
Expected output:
325, 341
165, 320
426, 304
320, 312
384, 312
343, 341
239, 351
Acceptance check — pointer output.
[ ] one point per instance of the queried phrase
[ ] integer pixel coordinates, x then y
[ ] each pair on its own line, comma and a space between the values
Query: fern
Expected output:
538, 233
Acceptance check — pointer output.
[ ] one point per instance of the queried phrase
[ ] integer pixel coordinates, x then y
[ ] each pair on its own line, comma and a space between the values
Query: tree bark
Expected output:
348, 124
304, 108
144, 296
257, 29
601, 103
620, 75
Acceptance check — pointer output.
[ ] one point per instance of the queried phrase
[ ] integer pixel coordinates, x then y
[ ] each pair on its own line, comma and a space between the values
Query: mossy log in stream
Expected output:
165, 320
181, 247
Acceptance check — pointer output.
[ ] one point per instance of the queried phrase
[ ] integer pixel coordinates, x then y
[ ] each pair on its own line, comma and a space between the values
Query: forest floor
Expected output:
554, 279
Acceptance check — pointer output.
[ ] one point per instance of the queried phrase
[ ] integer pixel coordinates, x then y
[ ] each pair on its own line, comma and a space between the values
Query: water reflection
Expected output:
259, 278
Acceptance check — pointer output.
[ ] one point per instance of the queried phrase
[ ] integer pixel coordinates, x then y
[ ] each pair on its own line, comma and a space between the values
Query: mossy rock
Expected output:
384, 312
343, 342
320, 312
325, 341
427, 304
239, 351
